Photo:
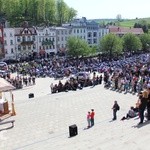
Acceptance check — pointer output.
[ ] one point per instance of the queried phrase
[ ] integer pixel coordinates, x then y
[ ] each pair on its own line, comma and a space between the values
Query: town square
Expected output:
74, 75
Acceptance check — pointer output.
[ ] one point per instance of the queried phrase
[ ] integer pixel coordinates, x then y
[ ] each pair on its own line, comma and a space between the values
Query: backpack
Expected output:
118, 107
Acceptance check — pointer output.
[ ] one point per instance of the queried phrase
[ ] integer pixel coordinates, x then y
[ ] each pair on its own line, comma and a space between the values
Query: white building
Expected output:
9, 43
24, 41
46, 40
62, 34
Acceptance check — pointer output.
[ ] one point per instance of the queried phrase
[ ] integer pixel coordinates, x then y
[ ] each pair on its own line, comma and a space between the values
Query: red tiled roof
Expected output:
124, 30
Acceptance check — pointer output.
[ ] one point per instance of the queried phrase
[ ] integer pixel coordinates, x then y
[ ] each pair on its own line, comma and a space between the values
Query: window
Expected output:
62, 32
34, 46
29, 38
4, 34
94, 34
89, 41
6, 51
89, 34
74, 31
5, 42
26, 31
12, 50
19, 47
62, 46
58, 38
33, 38
23, 38
62, 38
95, 41
29, 47
11, 35
11, 42
24, 47
77, 31
46, 32
18, 39
58, 32
39, 39
46, 47
66, 32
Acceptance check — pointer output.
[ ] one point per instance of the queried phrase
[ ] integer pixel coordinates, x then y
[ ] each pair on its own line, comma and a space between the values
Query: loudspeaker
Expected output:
31, 95
73, 130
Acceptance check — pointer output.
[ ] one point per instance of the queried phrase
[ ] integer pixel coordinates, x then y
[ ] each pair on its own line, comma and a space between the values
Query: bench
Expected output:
10, 121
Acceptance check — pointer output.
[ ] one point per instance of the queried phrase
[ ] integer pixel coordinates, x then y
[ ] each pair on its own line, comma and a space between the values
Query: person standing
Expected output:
115, 109
148, 105
142, 106
89, 119
92, 117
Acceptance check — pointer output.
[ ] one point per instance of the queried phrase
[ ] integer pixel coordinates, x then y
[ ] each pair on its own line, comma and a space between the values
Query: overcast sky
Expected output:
95, 9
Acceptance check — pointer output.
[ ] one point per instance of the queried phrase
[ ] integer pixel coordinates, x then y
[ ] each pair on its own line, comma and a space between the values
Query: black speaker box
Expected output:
73, 130
31, 95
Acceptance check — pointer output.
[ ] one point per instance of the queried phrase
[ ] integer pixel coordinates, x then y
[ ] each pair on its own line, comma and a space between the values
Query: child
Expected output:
89, 119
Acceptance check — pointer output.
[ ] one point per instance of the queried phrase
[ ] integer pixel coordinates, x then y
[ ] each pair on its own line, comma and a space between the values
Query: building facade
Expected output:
2, 52
24, 41
9, 43
46, 40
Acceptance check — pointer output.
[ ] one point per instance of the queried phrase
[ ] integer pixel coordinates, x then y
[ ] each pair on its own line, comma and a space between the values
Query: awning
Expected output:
5, 85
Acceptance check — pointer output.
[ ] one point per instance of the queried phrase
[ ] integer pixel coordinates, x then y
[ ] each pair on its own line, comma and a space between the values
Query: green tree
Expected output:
145, 40
50, 12
78, 47
131, 43
71, 13
36, 11
111, 45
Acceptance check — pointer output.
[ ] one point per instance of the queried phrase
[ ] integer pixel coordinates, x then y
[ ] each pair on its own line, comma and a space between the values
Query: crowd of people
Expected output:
130, 74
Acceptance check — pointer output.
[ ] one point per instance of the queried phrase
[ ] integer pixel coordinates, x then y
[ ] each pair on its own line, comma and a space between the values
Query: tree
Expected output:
118, 17
53, 12
142, 24
145, 40
78, 47
131, 43
110, 45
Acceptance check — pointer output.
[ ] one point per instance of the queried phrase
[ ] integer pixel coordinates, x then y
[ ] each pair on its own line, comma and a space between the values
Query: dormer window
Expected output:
46, 32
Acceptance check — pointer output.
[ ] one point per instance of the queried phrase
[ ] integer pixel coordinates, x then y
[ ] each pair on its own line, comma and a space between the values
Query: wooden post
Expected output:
13, 113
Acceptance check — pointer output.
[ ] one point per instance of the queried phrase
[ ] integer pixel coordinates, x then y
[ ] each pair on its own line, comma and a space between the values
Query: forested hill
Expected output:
36, 12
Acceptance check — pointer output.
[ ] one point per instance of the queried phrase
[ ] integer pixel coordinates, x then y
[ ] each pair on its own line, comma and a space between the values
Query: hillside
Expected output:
131, 22
124, 22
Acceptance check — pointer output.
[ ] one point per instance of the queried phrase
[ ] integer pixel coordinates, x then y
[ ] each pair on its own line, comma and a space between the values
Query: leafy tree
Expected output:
131, 43
110, 45
142, 24
145, 40
36, 11
78, 47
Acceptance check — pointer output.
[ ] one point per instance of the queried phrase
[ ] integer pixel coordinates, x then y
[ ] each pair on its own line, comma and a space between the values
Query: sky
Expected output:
96, 9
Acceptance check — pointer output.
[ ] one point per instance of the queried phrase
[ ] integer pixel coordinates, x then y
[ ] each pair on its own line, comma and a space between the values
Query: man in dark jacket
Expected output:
148, 105
115, 109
